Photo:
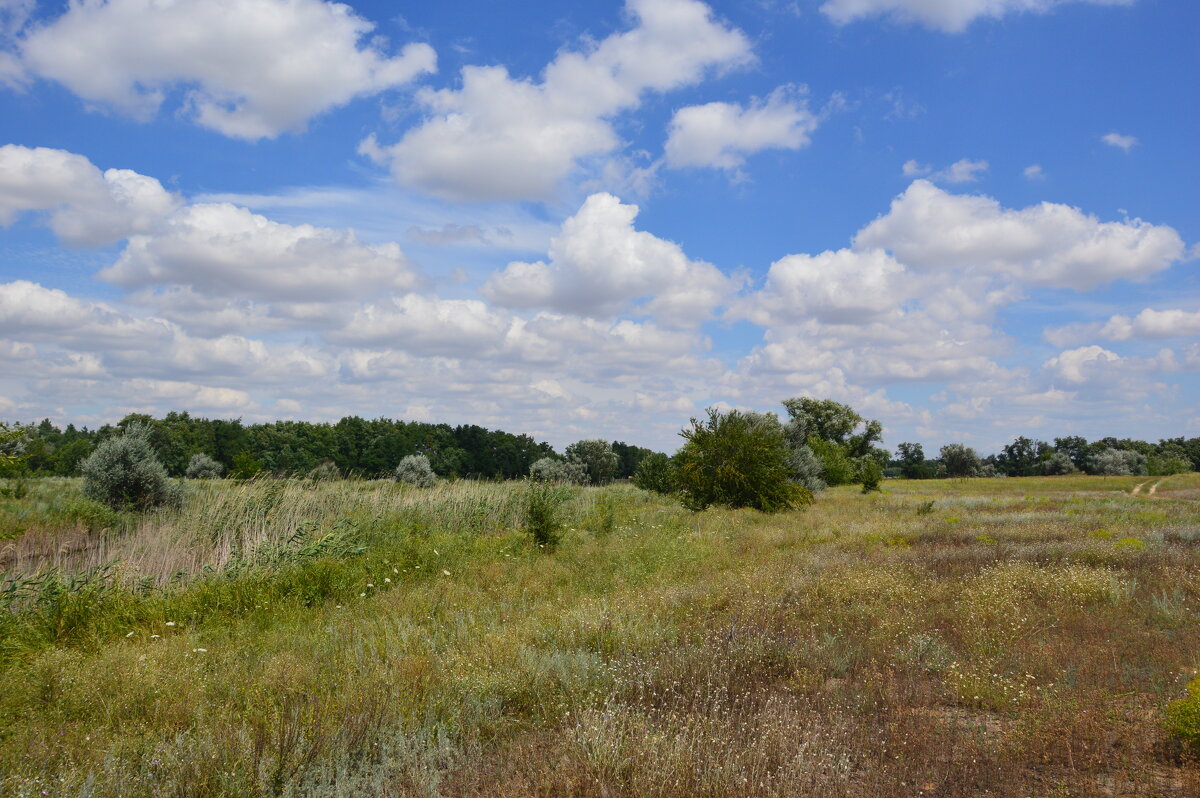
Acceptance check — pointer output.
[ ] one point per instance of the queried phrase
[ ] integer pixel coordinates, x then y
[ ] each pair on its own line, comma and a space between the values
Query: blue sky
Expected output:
971, 219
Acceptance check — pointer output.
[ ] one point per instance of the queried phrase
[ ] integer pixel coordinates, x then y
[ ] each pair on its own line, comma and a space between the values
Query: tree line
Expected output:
1026, 457
369, 448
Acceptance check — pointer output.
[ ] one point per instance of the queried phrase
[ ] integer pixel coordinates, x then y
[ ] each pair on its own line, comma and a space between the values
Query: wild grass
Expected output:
948, 638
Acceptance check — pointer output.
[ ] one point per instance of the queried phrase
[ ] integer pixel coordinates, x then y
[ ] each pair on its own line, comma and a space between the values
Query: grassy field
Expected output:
1011, 637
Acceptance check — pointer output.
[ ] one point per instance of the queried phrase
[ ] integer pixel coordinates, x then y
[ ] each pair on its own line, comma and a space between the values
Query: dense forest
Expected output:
363, 447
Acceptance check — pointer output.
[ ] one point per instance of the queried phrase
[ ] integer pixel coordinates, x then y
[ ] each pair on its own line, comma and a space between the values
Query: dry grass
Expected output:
953, 638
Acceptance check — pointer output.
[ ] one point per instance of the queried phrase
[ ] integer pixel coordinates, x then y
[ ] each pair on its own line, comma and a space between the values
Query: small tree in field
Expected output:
597, 458
960, 460
542, 511
870, 474
123, 472
655, 473
737, 459
416, 470
201, 466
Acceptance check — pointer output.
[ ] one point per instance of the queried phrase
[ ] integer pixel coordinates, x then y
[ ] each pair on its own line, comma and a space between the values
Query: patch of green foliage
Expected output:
737, 459
124, 474
542, 516
655, 473
1183, 717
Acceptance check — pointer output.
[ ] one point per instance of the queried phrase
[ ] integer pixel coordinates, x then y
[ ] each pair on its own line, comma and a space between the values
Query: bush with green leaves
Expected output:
245, 466
542, 511
655, 473
548, 469
737, 459
1117, 463
1059, 464
836, 466
960, 460
416, 470
833, 435
807, 468
870, 474
1183, 717
1158, 465
596, 457
10, 440
124, 473
201, 466
325, 471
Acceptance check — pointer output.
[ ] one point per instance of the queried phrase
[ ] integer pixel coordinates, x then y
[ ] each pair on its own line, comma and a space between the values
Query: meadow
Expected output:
1004, 637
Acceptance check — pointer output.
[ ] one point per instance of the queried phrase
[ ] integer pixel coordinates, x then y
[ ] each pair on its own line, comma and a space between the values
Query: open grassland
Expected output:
947, 638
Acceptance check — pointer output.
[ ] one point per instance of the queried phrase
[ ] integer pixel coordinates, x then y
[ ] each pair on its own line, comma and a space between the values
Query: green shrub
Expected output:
416, 470
201, 466
548, 469
960, 460
325, 471
124, 473
836, 466
870, 473
1117, 463
1164, 466
12, 446
245, 466
1059, 464
542, 511
807, 468
1183, 716
655, 473
737, 459
597, 458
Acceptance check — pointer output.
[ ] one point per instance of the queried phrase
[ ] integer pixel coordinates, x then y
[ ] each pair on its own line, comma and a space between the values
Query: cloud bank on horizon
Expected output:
275, 209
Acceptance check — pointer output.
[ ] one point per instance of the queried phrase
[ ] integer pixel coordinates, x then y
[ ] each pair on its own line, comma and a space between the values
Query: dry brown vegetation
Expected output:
947, 638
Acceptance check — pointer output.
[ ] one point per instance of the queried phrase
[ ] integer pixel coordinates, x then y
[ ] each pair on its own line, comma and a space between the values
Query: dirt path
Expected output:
1137, 489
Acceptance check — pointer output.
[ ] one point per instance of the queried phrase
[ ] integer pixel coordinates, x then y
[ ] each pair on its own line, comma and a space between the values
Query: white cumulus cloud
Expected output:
928, 229
85, 206
500, 137
842, 286
220, 249
251, 69
1149, 323
722, 135
600, 265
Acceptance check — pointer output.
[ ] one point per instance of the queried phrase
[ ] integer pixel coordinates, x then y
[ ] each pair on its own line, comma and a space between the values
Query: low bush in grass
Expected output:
548, 469
415, 470
737, 459
201, 466
124, 473
542, 511
1183, 717
870, 473
655, 473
